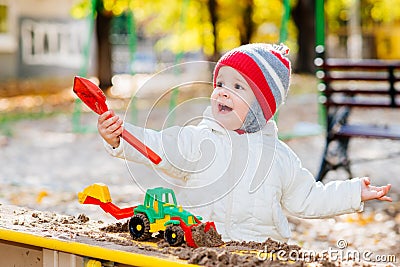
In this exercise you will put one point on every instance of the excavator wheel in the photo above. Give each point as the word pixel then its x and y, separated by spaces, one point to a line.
pixel 139 227
pixel 174 235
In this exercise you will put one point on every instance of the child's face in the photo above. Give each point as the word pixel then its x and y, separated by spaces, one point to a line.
pixel 231 98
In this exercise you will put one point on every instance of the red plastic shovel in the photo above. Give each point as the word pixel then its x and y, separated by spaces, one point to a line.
pixel 95 99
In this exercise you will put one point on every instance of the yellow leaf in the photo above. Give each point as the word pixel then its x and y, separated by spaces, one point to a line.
pixel 41 195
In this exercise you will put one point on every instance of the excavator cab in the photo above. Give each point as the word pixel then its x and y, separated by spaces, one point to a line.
pixel 156 200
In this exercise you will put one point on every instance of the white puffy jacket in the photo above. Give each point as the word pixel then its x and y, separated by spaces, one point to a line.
pixel 243 183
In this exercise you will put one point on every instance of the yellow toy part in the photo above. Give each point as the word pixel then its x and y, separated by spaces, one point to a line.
pixel 98 191
pixel 159 224
pixel 92 263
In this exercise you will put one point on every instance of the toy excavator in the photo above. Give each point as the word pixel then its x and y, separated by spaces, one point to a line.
pixel 159 213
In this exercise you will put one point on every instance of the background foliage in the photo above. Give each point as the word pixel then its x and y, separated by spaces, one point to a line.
pixel 184 25
pixel 215 26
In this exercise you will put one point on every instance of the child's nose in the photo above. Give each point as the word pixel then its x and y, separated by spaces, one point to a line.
pixel 223 92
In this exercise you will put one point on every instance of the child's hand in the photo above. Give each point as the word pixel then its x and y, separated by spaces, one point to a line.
pixel 110 128
pixel 369 192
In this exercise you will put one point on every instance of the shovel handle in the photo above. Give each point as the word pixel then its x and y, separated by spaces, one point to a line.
pixel 142 148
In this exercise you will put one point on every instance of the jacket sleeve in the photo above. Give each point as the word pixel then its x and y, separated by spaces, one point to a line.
pixel 176 146
pixel 306 198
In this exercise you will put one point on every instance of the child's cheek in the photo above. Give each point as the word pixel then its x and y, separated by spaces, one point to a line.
pixel 214 94
pixel 242 110
pixel 213 98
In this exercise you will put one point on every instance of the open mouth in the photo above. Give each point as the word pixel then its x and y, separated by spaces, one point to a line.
pixel 224 108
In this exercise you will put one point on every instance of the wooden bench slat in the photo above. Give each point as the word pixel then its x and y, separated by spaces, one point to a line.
pixel 370 78
pixel 360 64
pixel 361 104
pixel 369 131
pixel 361 91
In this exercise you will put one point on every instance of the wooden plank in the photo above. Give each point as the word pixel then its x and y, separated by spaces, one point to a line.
pixel 368 77
pixel 362 103
pixel 345 91
pixel 370 131
pixel 360 64
pixel 19 255
pixel 96 250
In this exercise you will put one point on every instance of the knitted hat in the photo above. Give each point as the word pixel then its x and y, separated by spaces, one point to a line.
pixel 266 69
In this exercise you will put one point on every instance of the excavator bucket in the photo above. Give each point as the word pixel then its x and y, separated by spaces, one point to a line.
pixel 97 191
pixel 204 235
pixel 98 194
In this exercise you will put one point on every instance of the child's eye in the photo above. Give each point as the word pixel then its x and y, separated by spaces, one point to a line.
pixel 238 86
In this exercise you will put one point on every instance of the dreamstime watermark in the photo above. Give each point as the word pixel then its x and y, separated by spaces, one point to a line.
pixel 340 253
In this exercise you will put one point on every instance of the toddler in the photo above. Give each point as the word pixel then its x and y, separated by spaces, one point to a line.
pixel 232 167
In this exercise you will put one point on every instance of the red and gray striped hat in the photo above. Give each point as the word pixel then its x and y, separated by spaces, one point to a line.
pixel 267 70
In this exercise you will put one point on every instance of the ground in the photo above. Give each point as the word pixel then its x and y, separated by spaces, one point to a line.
pixel 47 157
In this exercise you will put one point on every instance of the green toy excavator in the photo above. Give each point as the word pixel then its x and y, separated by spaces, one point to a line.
pixel 158 213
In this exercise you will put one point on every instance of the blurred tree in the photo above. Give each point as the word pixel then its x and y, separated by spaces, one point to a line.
pixel 210 26
pixel 103 25
pixel 104 11
pixel 373 13
pixel 304 17
pixel 375 16
pixel 215 26
pixel 212 10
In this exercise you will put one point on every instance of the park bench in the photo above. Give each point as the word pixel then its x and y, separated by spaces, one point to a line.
pixel 349 86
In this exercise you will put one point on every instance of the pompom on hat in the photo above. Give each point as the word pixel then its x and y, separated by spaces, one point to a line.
pixel 266 69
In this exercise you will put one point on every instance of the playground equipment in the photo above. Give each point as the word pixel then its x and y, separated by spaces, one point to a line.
pixel 158 213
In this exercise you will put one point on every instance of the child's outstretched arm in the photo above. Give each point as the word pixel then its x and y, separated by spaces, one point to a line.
pixel 110 128
pixel 369 192
pixel 306 198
